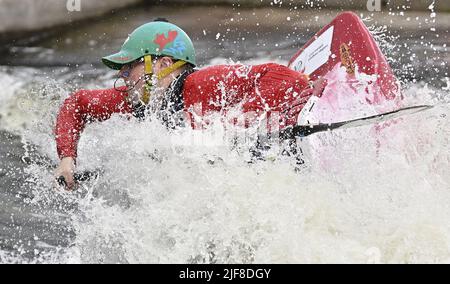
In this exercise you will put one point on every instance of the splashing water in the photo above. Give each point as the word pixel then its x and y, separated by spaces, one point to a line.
pixel 376 193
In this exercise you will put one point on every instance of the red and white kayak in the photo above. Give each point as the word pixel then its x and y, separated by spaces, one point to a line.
pixel 361 90
pixel 359 81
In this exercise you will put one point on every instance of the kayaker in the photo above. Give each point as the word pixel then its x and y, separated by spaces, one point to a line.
pixel 158 64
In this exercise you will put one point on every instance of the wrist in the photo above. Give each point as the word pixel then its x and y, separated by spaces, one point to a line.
pixel 68 160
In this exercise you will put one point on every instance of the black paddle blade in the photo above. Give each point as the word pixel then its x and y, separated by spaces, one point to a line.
pixel 305 130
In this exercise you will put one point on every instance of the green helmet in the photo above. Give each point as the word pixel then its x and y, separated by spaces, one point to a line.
pixel 154 38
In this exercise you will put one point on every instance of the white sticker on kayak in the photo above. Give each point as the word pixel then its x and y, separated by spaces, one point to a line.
pixel 316 54
pixel 306 114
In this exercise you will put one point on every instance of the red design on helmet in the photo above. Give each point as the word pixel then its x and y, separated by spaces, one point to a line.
pixel 162 41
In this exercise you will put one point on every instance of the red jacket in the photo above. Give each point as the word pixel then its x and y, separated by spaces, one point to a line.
pixel 258 89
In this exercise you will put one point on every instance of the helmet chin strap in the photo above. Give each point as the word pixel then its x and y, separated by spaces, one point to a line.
pixel 148 70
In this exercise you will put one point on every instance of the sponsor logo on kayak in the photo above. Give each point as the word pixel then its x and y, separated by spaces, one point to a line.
pixel 346 58
pixel 316 54
pixel 73 5
pixel 374 5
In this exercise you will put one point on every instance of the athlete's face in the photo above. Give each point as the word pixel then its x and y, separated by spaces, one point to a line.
pixel 133 74
pixel 134 77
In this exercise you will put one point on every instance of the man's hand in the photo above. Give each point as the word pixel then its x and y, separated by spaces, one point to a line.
pixel 66 169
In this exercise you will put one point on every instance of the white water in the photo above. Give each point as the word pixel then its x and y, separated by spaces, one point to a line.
pixel 376 193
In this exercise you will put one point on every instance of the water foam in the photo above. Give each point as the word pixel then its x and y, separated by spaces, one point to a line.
pixel 375 193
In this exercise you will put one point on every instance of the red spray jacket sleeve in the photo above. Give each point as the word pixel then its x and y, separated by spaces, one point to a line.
pixel 82 107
